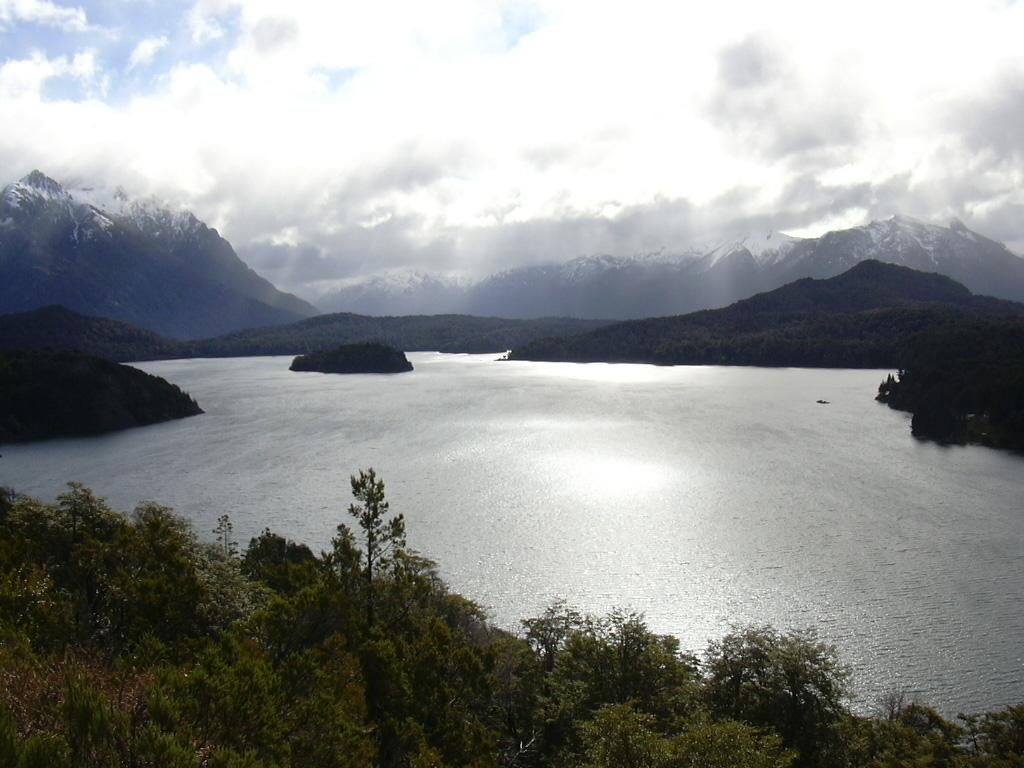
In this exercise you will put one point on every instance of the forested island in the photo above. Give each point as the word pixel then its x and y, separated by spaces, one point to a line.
pixel 57 394
pixel 126 640
pixel 354 358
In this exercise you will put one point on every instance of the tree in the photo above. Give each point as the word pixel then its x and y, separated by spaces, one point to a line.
pixel 791 682
pixel 382 537
pixel 621 737
pixel 727 744
pixel 224 530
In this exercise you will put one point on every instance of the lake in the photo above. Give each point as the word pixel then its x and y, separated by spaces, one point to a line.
pixel 699 496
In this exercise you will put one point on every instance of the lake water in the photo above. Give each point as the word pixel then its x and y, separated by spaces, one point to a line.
pixel 699 496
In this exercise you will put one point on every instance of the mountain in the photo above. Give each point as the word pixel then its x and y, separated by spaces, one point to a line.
pixel 397 293
pixel 982 265
pixel 872 315
pixel 699 278
pixel 132 261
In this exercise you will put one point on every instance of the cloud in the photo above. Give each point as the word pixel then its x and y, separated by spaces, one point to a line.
pixel 43 12
pixel 331 140
pixel 26 77
pixel 146 50
pixel 202 21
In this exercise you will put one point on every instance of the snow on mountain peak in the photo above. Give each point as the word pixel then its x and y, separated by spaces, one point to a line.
pixel 762 246
pixel 768 247
pixel 43 185
pixel 36 186
pixel 149 213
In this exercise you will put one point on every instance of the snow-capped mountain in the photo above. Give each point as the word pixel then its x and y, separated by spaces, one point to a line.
pixel 706 277
pixel 397 292
pixel 985 266
pixel 136 261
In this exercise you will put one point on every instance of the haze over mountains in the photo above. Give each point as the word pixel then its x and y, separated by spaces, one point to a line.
pixel 168 272
pixel 134 261
pixel 699 278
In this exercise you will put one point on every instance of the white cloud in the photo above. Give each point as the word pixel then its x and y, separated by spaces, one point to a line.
pixel 475 134
pixel 146 50
pixel 43 12
pixel 25 78
pixel 202 20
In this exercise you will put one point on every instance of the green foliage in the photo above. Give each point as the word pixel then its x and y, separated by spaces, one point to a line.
pixel 620 737
pixel 728 744
pixel 282 565
pixel 124 640
pixel 383 538
pixel 790 682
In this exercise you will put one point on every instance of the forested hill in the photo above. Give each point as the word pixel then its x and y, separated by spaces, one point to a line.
pixel 869 316
pixel 414 333
pixel 57 393
pixel 56 327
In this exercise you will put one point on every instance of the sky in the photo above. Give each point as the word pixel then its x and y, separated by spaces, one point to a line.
pixel 333 140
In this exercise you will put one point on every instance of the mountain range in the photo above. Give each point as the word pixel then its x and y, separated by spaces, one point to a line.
pixel 166 271
pixel 698 278
pixel 874 315
pixel 135 261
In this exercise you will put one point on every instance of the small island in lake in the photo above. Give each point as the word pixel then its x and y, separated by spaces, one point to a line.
pixel 59 394
pixel 368 357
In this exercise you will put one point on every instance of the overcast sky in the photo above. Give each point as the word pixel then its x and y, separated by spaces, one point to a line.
pixel 328 140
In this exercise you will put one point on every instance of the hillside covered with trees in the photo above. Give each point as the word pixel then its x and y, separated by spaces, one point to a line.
pixel 56 327
pixel 125 640
pixel 965 385
pixel 412 333
pixel 872 316
pixel 58 394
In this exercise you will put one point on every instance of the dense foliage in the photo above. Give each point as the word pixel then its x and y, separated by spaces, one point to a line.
pixel 354 358
pixel 964 385
pixel 54 394
pixel 126 641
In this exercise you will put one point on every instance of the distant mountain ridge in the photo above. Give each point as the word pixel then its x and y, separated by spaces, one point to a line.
pixel 59 328
pixel 872 315
pixel 698 278
pixel 133 261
